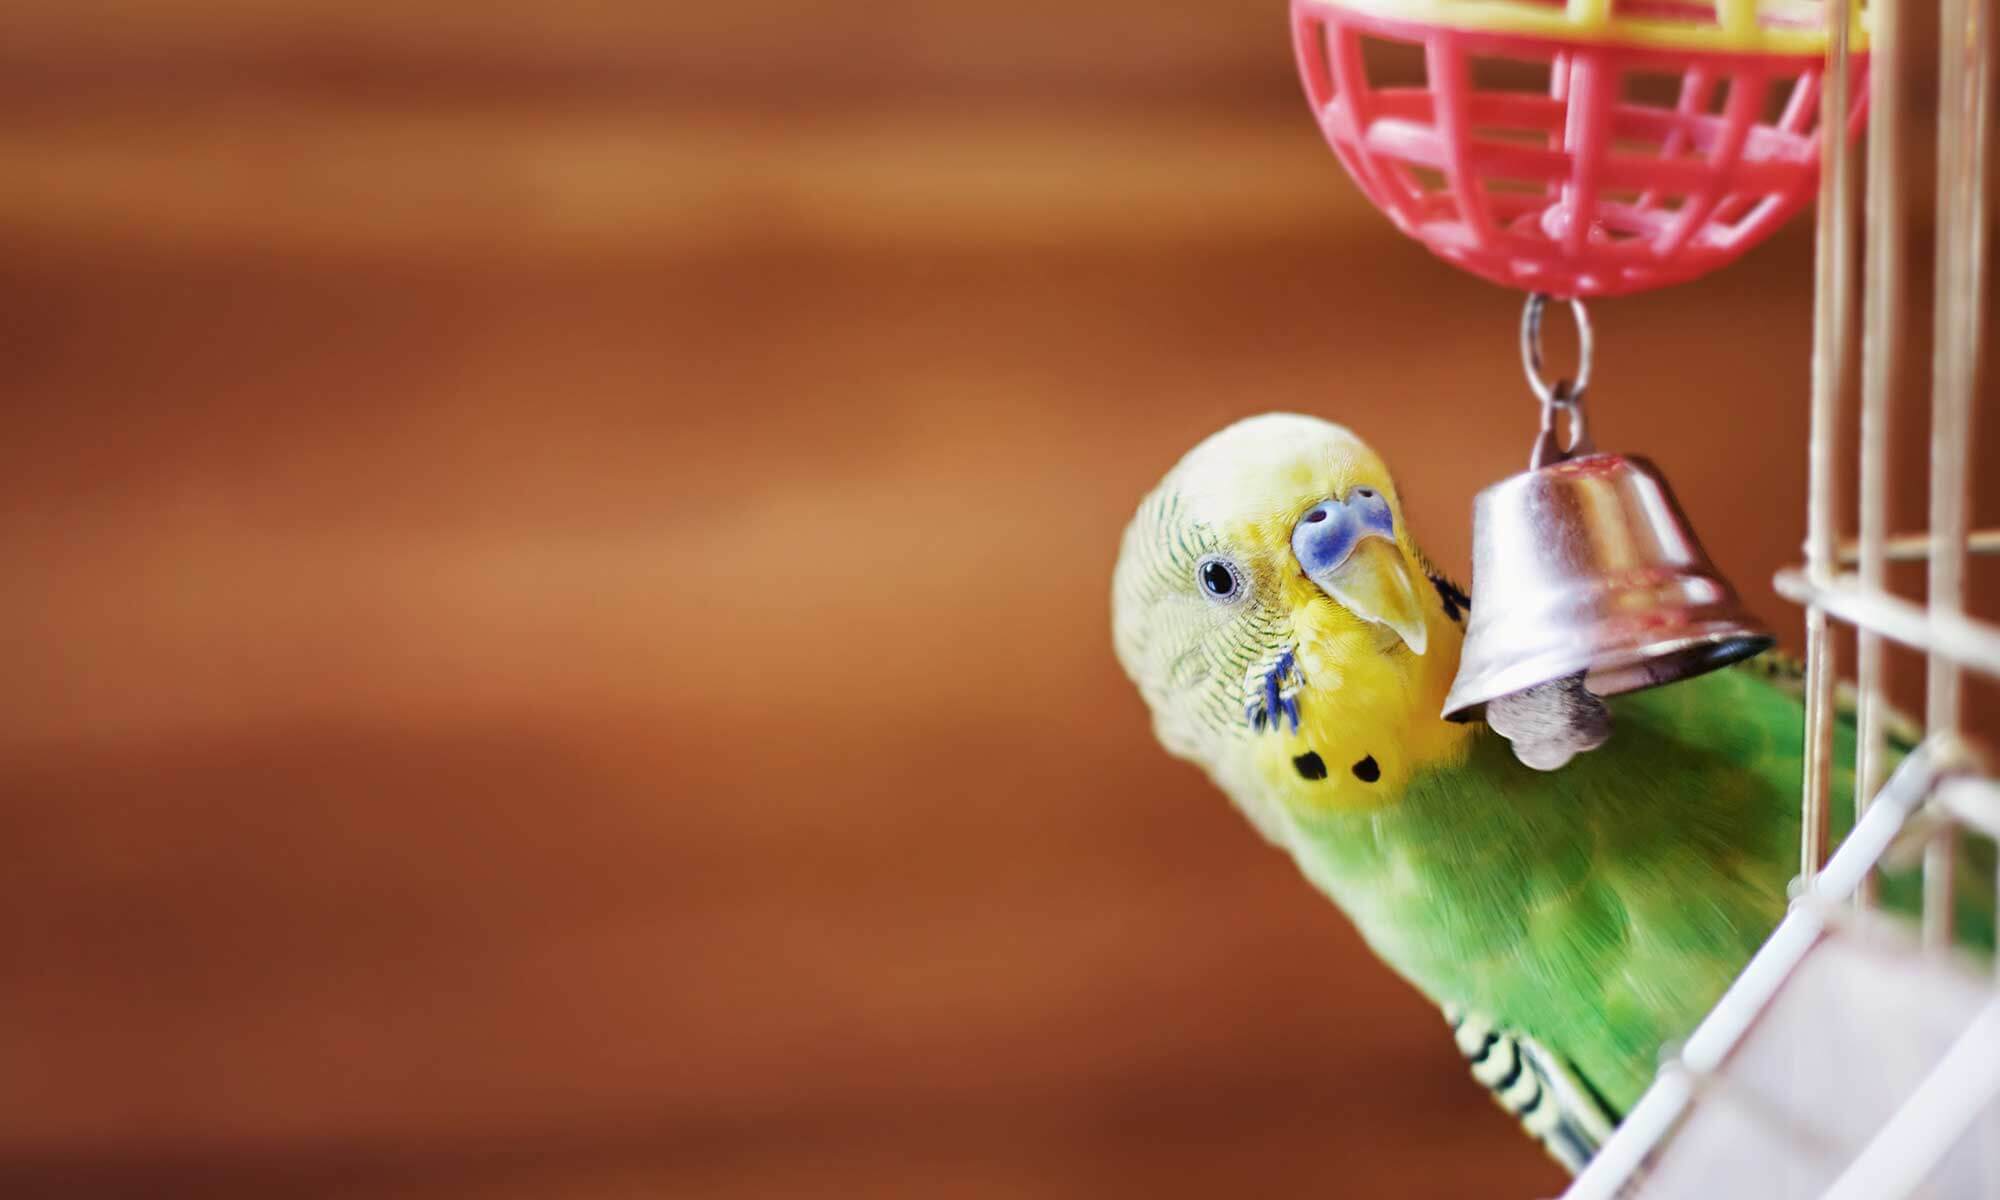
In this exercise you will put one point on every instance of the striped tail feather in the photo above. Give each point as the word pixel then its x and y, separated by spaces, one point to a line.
pixel 1536 1088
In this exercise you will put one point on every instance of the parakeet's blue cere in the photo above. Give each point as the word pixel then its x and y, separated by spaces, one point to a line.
pixel 1329 530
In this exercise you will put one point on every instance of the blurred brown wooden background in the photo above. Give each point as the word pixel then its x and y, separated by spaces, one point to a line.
pixel 555 629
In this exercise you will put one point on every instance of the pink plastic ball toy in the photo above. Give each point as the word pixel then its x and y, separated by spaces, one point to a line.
pixel 1603 180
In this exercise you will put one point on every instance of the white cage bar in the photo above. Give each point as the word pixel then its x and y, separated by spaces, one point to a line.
pixel 1954 1099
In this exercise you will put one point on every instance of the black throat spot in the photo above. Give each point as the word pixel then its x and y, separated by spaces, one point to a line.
pixel 1310 766
pixel 1367 770
pixel 1456 602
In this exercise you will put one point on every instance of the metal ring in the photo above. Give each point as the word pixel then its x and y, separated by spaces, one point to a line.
pixel 1531 350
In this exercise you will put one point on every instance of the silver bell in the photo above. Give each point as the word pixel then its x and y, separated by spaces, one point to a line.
pixel 1586 566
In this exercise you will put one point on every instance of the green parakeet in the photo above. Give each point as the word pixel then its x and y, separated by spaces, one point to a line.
pixel 1291 639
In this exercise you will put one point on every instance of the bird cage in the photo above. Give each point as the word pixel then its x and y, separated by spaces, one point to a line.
pixel 1855 1057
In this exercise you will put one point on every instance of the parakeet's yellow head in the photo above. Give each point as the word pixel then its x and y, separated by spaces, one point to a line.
pixel 1282 625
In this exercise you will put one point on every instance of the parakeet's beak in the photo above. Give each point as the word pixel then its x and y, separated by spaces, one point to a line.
pixel 1348 547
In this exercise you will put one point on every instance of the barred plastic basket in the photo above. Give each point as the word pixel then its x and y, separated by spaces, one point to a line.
pixel 1666 140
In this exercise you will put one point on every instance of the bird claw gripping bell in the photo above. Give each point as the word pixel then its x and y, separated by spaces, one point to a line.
pixel 1587 581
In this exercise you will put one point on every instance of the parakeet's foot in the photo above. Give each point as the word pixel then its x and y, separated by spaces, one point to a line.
pixel 1272 692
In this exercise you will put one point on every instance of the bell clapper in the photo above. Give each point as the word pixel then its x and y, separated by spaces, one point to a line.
pixel 1551 723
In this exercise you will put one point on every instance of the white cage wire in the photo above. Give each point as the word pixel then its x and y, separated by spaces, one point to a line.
pixel 1851 1060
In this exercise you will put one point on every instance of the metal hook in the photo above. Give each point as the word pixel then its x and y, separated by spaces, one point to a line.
pixel 1531 349
pixel 1548 447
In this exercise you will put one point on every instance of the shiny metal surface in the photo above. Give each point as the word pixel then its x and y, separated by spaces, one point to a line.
pixel 1531 350
pixel 1590 565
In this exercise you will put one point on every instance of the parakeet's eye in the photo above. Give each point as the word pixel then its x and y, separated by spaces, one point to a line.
pixel 1219 579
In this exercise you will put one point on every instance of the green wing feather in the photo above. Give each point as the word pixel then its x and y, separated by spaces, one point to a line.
pixel 1599 911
